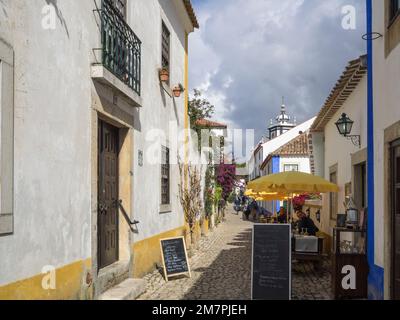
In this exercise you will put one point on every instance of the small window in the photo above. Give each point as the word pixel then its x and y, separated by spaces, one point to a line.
pixel 333 197
pixel 6 139
pixel 291 167
pixel 165 177
pixel 394 9
pixel 165 47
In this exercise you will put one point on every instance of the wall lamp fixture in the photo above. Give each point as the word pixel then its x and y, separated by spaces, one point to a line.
pixel 344 126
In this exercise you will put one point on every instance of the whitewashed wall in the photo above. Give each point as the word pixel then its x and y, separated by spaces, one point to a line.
pixel 159 112
pixel 302 162
pixel 52 136
pixel 338 150
pixel 53 97
pixel 386 112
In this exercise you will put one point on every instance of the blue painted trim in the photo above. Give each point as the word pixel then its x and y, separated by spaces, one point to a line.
pixel 276 168
pixel 376 274
pixel 376 283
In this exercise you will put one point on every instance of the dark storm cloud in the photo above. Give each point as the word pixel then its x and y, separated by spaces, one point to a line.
pixel 250 53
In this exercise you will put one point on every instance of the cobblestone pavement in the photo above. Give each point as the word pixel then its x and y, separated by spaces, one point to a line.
pixel 221 267
pixel 309 283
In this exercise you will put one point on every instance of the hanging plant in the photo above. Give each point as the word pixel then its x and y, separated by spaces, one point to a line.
pixel 164 75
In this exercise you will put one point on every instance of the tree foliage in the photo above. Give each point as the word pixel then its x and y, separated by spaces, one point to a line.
pixel 199 108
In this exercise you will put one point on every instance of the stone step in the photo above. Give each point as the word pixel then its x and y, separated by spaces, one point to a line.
pixel 130 289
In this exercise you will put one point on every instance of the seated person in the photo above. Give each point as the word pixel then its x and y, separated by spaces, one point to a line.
pixel 306 224
pixel 254 209
pixel 262 212
pixel 282 216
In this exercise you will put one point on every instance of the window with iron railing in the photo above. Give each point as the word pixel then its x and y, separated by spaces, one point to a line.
pixel 165 177
pixel 120 5
pixel 121 48
pixel 165 47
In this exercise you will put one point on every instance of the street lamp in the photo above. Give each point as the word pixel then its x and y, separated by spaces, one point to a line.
pixel 344 126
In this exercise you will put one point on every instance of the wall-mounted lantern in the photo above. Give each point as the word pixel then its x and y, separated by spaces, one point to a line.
pixel 344 126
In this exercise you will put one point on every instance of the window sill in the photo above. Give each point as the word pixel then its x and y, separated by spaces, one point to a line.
pixel 392 36
pixel 105 77
pixel 6 224
pixel 165 208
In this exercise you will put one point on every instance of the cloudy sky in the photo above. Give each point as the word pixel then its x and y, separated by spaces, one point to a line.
pixel 249 53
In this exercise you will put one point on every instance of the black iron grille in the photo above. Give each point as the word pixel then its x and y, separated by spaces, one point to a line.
pixel 121 47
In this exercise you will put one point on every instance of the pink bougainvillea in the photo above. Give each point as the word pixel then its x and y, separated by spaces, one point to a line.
pixel 226 174
pixel 299 201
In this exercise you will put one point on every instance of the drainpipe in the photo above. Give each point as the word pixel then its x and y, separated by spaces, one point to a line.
pixel 375 277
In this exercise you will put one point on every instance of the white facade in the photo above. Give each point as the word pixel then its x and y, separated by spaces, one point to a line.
pixel 386 79
pixel 278 142
pixel 57 105
pixel 258 160
pixel 340 154
pixel 302 163
pixel 260 154
pixel 52 98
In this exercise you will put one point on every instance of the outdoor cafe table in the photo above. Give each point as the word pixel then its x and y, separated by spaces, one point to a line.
pixel 307 248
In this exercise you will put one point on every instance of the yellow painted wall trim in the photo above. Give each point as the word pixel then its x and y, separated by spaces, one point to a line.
pixel 70 285
pixel 147 252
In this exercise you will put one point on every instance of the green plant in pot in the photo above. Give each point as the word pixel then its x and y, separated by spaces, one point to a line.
pixel 164 75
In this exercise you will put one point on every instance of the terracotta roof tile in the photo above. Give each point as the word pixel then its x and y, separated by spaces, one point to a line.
pixel 344 87
pixel 210 124
pixel 296 147
pixel 191 13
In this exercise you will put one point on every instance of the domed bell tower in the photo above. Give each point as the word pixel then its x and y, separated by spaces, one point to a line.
pixel 283 123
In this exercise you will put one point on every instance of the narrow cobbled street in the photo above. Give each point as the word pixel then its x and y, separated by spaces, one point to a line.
pixel 221 269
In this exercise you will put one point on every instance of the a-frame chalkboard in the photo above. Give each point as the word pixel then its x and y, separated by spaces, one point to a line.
pixel 174 257
pixel 271 262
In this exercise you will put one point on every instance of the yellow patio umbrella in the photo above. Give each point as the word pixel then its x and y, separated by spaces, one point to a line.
pixel 265 196
pixel 271 197
pixel 292 182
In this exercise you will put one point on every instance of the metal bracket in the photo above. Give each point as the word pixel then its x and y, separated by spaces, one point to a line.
pixel 372 36
pixel 355 139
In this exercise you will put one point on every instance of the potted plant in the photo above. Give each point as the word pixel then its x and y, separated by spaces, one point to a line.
pixel 164 75
pixel 178 90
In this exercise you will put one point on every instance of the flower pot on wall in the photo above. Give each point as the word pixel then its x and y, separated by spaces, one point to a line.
pixel 164 75
pixel 177 91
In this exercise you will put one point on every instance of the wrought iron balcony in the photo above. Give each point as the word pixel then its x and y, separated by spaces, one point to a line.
pixel 121 48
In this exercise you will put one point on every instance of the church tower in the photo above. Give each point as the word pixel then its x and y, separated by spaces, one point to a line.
pixel 282 124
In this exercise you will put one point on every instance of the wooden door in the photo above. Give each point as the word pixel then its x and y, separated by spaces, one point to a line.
pixel 108 195
pixel 395 165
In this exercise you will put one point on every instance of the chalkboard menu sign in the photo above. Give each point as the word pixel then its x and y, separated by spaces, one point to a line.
pixel 271 262
pixel 174 257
